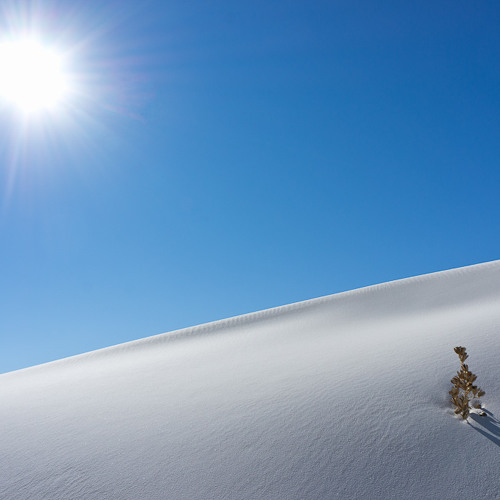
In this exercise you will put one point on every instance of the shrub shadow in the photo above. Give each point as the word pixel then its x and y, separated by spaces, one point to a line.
pixel 488 426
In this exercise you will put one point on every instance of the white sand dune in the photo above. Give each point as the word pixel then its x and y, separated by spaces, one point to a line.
pixel 344 396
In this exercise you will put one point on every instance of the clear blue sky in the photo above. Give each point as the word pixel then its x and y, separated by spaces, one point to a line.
pixel 227 157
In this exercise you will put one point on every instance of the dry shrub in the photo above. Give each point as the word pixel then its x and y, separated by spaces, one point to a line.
pixel 464 390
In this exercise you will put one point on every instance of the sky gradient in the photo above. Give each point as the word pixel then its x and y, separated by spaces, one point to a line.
pixel 226 157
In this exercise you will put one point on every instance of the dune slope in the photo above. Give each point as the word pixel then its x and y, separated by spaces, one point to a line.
pixel 345 396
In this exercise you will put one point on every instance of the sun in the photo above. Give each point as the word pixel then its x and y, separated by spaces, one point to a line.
pixel 32 76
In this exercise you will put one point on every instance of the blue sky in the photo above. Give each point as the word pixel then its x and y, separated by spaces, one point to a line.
pixel 226 157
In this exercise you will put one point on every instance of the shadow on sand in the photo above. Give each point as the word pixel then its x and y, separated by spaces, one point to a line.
pixel 488 426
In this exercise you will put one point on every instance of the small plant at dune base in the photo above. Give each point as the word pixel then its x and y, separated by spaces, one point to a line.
pixel 464 391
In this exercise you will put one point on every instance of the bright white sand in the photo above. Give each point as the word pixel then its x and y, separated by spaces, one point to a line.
pixel 344 397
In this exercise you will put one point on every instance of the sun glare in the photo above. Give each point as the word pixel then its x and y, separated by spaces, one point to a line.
pixel 31 76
